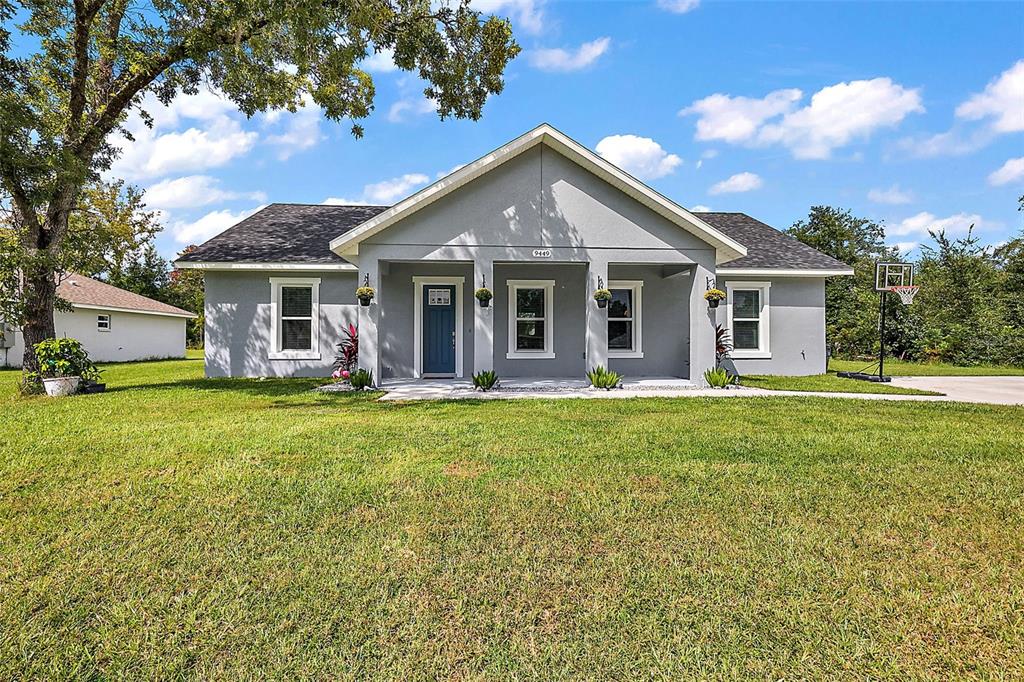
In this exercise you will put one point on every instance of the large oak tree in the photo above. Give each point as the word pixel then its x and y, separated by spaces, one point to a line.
pixel 79 68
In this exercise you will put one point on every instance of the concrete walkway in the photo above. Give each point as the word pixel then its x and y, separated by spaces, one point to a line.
pixel 994 390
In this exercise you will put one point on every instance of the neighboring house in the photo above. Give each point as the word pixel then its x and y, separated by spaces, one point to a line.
pixel 114 325
pixel 543 222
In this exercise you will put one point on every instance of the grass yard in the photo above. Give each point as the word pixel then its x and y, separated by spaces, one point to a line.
pixel 827 382
pixel 898 368
pixel 250 529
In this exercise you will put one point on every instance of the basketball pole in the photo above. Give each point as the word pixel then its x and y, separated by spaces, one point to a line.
pixel 881 338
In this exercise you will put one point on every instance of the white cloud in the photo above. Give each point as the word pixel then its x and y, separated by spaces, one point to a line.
pixel 191 191
pixel 737 119
pixel 1002 101
pixel 380 62
pixel 159 151
pixel 918 225
pixel 741 182
pixel 210 225
pixel 892 195
pixel 1011 171
pixel 700 208
pixel 385 191
pixel 442 174
pixel 836 115
pixel 906 247
pixel 678 6
pixel 301 129
pixel 527 15
pixel 562 60
pixel 950 143
pixel 640 156
pixel 415 106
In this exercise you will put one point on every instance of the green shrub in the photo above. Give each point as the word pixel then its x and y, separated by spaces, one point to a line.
pixel 361 379
pixel 603 378
pixel 485 380
pixel 718 378
pixel 65 358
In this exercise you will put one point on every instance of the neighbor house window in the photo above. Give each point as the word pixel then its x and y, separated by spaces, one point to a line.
pixel 295 314
pixel 748 319
pixel 103 323
pixel 624 330
pixel 530 318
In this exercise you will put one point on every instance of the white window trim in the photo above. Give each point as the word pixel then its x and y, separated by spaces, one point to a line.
pixel 417 289
pixel 276 283
pixel 103 329
pixel 637 287
pixel 548 353
pixel 763 350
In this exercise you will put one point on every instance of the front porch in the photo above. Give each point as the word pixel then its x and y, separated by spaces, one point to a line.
pixel 556 387
pixel 542 323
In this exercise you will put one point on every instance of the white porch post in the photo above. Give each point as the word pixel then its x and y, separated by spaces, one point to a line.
pixel 597 318
pixel 483 318
pixel 702 325
pixel 369 319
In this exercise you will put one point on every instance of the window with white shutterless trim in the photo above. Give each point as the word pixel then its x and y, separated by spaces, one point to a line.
pixel 103 323
pixel 748 309
pixel 625 338
pixel 294 318
pixel 531 319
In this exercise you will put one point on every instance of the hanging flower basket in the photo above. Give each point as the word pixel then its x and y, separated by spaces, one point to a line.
pixel 484 295
pixel 602 296
pixel 714 297
pixel 365 295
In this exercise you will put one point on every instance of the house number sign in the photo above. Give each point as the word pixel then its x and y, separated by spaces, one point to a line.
pixel 542 253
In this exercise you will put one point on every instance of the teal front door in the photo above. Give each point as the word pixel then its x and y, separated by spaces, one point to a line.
pixel 439 329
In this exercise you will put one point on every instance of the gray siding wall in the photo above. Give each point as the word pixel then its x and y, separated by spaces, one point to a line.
pixel 665 319
pixel 238 323
pixel 797 326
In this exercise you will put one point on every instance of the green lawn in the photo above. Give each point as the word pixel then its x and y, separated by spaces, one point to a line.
pixel 827 382
pixel 919 369
pixel 235 529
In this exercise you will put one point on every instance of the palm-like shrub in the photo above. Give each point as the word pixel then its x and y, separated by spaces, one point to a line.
pixel 485 380
pixel 602 378
pixel 718 378
pixel 361 379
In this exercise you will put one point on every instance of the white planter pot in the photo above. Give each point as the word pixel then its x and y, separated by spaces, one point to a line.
pixel 61 386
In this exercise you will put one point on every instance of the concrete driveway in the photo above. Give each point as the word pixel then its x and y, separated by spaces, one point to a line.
pixel 994 390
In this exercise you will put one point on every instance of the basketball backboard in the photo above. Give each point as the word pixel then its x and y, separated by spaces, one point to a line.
pixel 889 275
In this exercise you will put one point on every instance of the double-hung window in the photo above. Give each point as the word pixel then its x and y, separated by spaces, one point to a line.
pixel 748 313
pixel 624 327
pixel 295 318
pixel 530 319
pixel 103 323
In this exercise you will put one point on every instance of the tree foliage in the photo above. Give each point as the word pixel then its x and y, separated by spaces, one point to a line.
pixel 93 61
pixel 969 310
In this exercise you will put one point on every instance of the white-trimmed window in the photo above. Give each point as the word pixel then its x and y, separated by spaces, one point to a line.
pixel 747 311
pixel 624 326
pixel 103 323
pixel 531 318
pixel 294 318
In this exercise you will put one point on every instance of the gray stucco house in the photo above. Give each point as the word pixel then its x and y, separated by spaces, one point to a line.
pixel 543 222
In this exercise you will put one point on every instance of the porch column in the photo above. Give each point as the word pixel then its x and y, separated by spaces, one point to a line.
pixel 702 325
pixel 483 318
pixel 597 319
pixel 369 318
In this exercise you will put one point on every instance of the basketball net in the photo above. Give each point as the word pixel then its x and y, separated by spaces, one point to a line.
pixel 906 293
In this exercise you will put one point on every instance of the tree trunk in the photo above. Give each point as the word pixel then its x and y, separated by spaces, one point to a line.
pixel 40 294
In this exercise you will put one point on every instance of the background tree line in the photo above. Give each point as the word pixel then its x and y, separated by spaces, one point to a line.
pixel 970 309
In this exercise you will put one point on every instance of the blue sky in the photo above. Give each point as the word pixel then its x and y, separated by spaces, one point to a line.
pixel 911 113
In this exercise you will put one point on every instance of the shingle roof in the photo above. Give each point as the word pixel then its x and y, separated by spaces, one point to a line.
pixel 84 291
pixel 301 233
pixel 284 233
pixel 768 247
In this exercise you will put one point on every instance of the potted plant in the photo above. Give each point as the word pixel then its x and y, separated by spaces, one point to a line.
pixel 64 365
pixel 714 297
pixel 484 295
pixel 365 295
pixel 602 296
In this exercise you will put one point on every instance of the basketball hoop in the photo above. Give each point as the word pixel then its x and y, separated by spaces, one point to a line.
pixel 906 293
